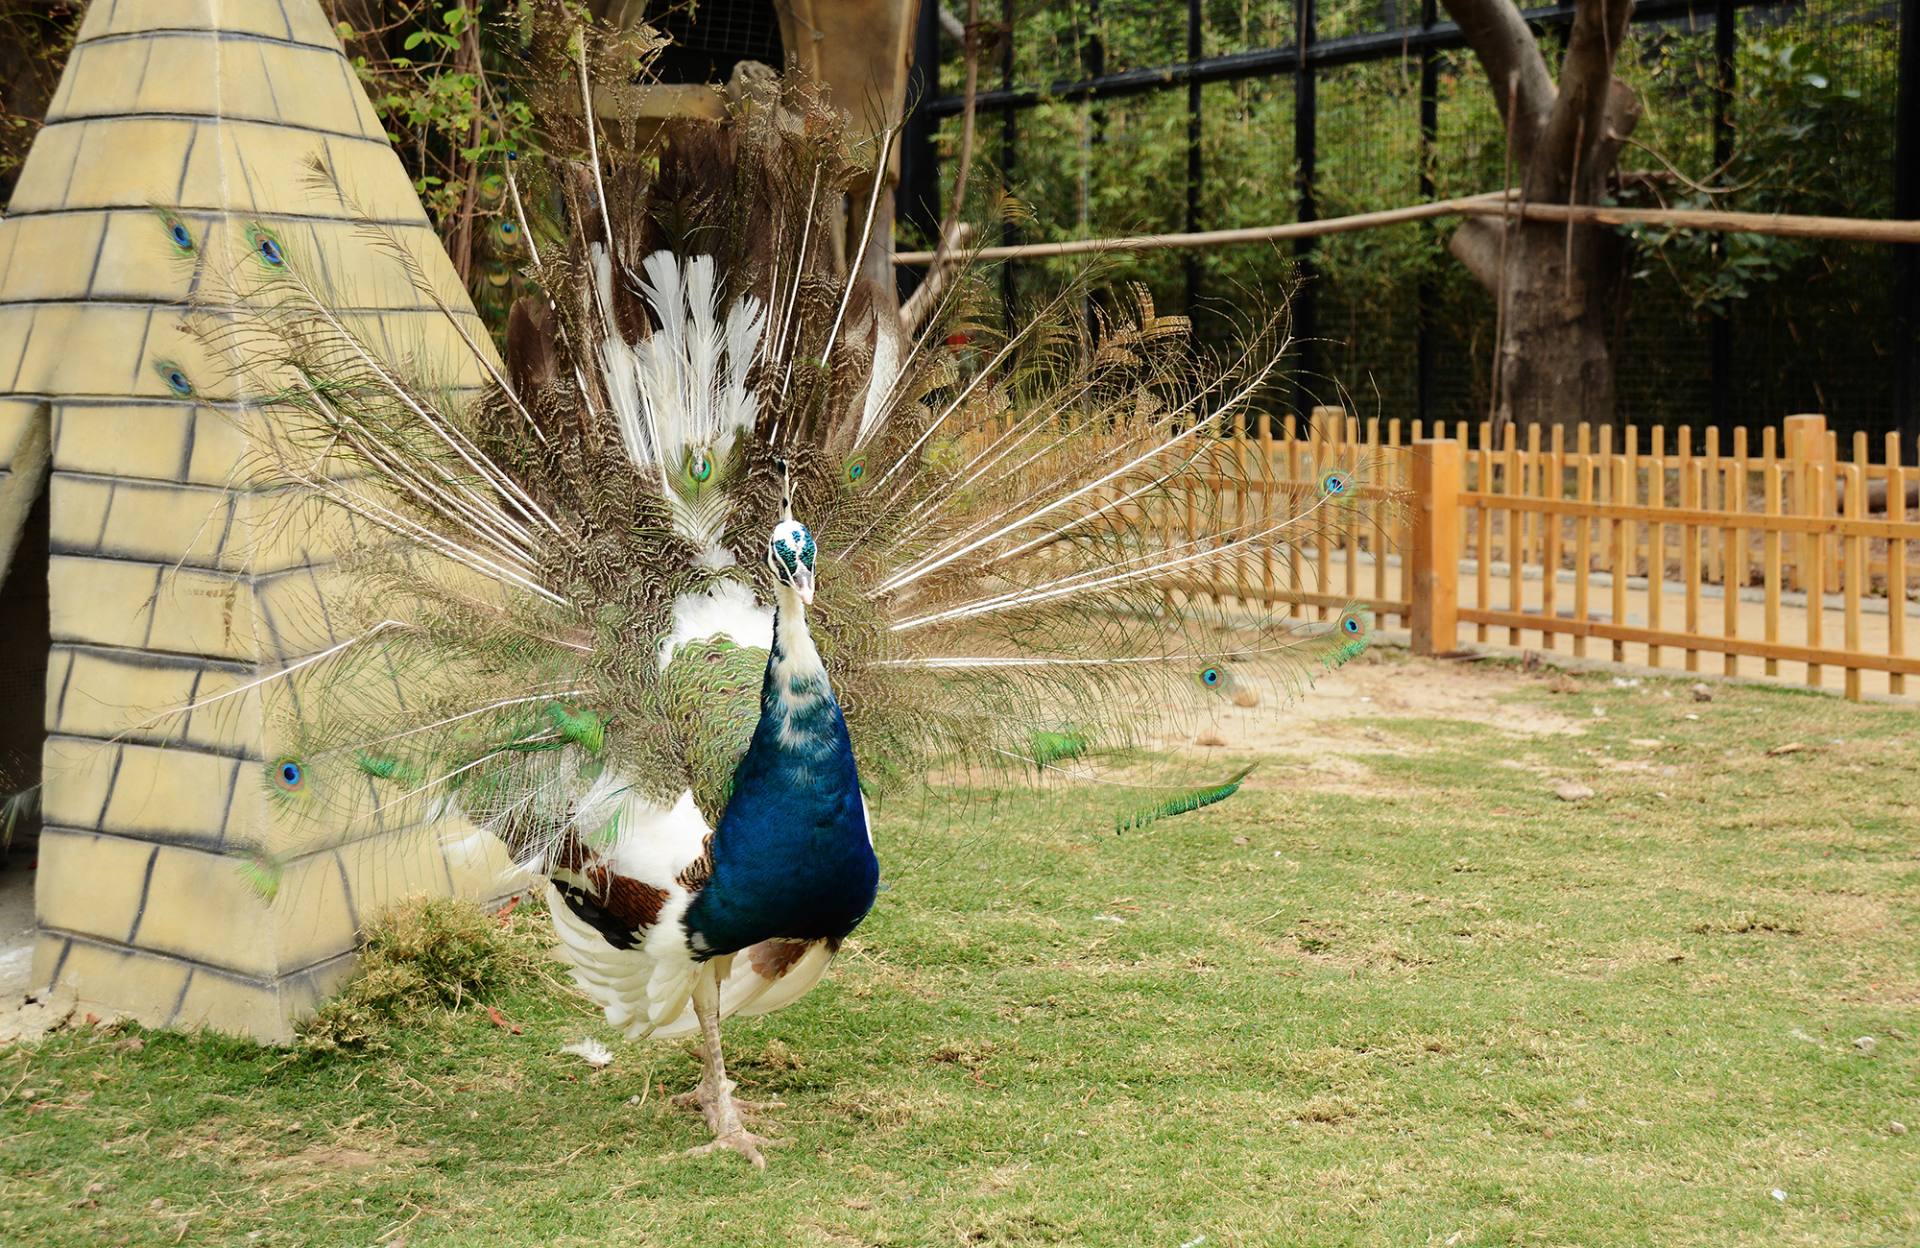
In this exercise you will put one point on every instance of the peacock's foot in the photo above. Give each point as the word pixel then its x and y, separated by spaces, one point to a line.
pixel 711 1105
pixel 739 1140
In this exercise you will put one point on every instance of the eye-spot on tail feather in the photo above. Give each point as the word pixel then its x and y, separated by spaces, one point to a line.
pixel 1183 803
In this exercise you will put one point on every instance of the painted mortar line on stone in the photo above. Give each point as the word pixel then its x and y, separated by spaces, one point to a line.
pixel 93 271
pixel 320 598
pixel 6 268
pixel 167 485
pixel 146 889
pixel 186 164
pixel 154 400
pixel 106 516
pixel 146 64
pixel 346 889
pixel 263 607
pixel 66 682
pixel 73 163
pixel 234 311
pixel 214 215
pixel 192 437
pixel 204 33
pixel 273 97
pixel 226 530
pixel 153 602
pixel 346 78
pixel 158 660
pixel 254 580
pixel 60 959
pixel 205 751
pixel 195 842
pixel 186 982
pixel 26 344
pixel 268 983
pixel 199 119
pixel 113 776
pixel 240 163
pixel 140 352
pixel 186 720
pixel 233 797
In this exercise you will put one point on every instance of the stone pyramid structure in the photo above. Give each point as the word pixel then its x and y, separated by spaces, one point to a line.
pixel 178 152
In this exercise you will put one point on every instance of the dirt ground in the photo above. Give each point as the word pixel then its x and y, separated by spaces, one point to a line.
pixel 1323 736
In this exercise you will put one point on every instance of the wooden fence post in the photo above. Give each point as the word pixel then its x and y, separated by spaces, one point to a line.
pixel 1436 545
pixel 1804 442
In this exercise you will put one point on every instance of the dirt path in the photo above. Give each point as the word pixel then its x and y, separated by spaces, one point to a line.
pixel 1324 736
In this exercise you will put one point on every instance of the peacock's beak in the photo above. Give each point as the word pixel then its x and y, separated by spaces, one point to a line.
pixel 803 585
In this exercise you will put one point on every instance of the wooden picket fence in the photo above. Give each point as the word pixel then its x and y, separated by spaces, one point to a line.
pixel 1656 547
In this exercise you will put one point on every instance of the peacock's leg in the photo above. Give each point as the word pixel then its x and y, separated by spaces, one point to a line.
pixel 714 1095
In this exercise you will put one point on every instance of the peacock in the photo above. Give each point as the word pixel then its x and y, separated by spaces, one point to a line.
pixel 726 554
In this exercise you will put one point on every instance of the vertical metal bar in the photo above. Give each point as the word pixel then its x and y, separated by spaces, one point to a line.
pixel 1906 204
pixel 1720 332
pixel 919 154
pixel 1429 134
pixel 1008 134
pixel 1093 60
pixel 1192 257
pixel 1305 117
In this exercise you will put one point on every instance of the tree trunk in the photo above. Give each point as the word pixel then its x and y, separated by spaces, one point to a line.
pixel 1556 364
pixel 1556 287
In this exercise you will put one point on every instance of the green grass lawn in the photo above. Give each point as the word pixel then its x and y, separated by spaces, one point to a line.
pixel 1432 1004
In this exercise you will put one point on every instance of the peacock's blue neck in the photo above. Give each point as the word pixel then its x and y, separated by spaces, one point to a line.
pixel 791 855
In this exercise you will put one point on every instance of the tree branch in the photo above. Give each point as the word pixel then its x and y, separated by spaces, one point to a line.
pixel 1476 244
pixel 1581 114
pixel 1508 52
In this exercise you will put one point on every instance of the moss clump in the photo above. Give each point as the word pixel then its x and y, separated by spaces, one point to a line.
pixel 420 953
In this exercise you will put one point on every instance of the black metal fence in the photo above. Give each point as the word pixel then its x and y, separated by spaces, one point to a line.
pixel 1123 116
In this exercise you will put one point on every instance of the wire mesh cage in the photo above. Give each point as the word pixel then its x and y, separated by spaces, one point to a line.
pixel 1299 109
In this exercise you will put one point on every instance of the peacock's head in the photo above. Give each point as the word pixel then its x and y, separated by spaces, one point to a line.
pixel 790 554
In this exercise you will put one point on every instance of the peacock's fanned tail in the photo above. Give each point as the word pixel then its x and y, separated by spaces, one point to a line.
pixel 550 582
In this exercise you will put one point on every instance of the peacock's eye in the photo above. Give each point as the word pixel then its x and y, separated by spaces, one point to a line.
pixel 1211 676
pixel 175 377
pixel 289 775
pixel 1335 482
pixel 181 236
pixel 266 246
pixel 1352 624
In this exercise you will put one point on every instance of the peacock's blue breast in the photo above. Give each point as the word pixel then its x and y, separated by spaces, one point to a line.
pixel 791 855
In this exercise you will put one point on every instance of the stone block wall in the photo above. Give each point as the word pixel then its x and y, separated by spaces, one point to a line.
pixel 183 133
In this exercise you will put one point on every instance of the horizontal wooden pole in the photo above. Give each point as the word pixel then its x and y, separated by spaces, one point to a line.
pixel 1218 238
pixel 1693 641
pixel 1491 204
pixel 1838 526
pixel 1776 224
